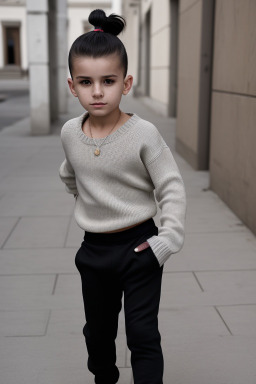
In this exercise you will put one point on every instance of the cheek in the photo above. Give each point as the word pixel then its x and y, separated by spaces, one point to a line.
pixel 117 92
pixel 82 97
pixel 83 92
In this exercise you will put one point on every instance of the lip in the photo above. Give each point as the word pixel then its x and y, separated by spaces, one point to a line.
pixel 98 105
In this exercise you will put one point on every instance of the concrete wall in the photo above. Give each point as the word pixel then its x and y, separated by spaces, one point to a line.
pixel 130 37
pixel 159 60
pixel 154 61
pixel 47 62
pixel 216 104
pixel 16 14
pixel 190 22
pixel 38 57
pixel 144 43
pixel 76 18
pixel 196 25
pixel 233 123
pixel 78 12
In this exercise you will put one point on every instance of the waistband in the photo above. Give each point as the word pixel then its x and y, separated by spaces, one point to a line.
pixel 116 237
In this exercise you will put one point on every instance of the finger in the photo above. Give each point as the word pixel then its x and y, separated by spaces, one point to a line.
pixel 142 246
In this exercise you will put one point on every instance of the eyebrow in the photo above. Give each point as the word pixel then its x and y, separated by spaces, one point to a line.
pixel 88 77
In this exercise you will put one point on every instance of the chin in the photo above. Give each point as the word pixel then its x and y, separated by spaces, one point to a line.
pixel 99 112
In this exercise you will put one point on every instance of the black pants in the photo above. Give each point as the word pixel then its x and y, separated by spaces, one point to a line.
pixel 109 267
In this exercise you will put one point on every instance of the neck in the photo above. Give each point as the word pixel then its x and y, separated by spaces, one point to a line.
pixel 102 122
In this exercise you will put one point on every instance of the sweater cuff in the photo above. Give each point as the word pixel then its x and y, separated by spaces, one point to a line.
pixel 160 249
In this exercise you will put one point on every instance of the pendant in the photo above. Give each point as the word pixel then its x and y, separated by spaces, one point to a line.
pixel 97 152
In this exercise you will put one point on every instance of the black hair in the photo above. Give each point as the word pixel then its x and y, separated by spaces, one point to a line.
pixel 96 43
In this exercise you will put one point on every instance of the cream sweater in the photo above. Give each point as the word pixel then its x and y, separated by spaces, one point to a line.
pixel 116 188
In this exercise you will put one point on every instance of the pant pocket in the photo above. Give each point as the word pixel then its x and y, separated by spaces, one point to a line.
pixel 152 256
pixel 147 260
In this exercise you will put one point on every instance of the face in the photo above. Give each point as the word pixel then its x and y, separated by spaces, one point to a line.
pixel 99 83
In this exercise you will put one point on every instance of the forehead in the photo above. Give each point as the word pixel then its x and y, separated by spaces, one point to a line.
pixel 97 66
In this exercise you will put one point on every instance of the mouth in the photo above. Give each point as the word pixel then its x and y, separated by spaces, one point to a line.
pixel 97 104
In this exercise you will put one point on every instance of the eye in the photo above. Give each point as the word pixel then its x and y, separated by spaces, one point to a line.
pixel 85 82
pixel 109 81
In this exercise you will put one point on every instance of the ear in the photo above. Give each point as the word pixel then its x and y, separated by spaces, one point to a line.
pixel 71 87
pixel 127 84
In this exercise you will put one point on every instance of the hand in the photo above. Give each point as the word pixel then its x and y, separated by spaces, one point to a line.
pixel 142 246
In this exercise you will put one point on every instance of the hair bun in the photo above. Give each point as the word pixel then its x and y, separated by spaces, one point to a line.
pixel 113 24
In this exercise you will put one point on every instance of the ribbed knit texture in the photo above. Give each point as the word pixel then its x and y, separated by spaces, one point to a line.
pixel 116 188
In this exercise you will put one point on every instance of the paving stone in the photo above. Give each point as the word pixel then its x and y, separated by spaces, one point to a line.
pixel 13 160
pixel 191 322
pixel 44 360
pixel 208 213
pixel 6 226
pixel 229 287
pixel 66 322
pixel 188 323
pixel 121 322
pixel 82 376
pixel 46 162
pixel 128 357
pixel 215 251
pixel 79 375
pixel 179 289
pixel 68 285
pixel 125 376
pixel 39 232
pixel 75 235
pixel 211 360
pixel 120 350
pixel 41 203
pixel 31 183
pixel 37 261
pixel 195 186
pixel 240 319
pixel 24 291
pixel 217 288
pixel 23 323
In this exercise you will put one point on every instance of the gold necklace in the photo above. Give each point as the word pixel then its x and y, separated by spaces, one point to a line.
pixel 97 150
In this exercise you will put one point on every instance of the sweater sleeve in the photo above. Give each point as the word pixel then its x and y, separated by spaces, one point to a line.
pixel 171 197
pixel 68 177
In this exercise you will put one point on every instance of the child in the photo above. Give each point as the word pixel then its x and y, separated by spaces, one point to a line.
pixel 114 161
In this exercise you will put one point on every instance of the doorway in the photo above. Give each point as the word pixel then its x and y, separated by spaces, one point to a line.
pixel 12 46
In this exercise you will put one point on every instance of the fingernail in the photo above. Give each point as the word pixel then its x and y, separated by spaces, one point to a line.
pixel 136 249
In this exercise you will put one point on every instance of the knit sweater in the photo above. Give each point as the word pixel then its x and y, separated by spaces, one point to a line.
pixel 116 189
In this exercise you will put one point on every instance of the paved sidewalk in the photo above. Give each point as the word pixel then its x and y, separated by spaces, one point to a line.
pixel 14 100
pixel 208 307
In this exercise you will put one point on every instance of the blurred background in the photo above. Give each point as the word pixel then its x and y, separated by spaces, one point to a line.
pixel 194 68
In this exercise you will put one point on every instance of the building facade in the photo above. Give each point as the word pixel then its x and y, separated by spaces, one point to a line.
pixel 35 37
pixel 13 29
pixel 197 62
pixel 13 38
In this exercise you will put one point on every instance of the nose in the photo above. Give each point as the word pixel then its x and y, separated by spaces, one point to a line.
pixel 97 90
